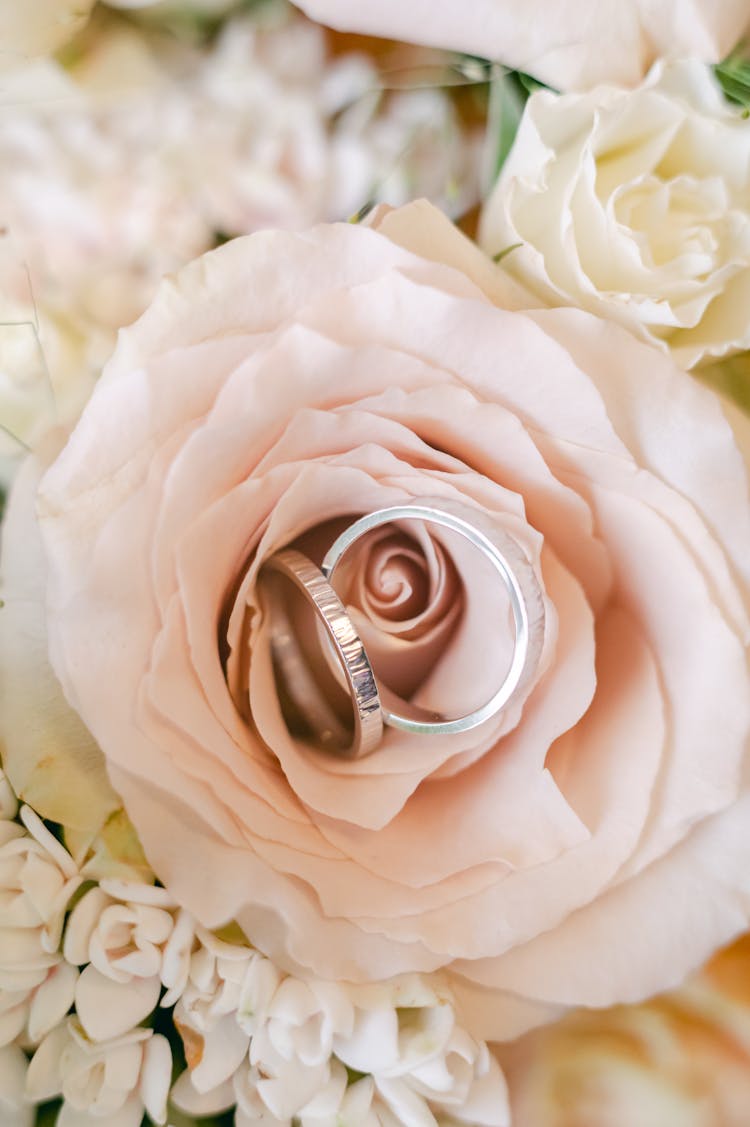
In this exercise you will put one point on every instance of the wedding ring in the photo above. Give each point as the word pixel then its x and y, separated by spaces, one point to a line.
pixel 513 569
pixel 298 680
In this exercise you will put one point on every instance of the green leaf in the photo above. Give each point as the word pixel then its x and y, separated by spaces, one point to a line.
pixel 734 77
pixel 530 85
pixel 504 111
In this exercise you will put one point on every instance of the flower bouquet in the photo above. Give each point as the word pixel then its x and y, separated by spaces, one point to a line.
pixel 374 686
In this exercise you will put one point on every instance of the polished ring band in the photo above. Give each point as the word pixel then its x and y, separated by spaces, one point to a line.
pixel 514 569
pixel 360 680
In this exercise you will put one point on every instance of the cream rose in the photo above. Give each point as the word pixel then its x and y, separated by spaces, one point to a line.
pixel 680 1060
pixel 635 206
pixel 589 844
pixel 569 46
pixel 38 27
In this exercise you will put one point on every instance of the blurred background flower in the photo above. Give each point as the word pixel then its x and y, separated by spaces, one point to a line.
pixel 151 140
pixel 572 46
pixel 31 29
pixel 680 1060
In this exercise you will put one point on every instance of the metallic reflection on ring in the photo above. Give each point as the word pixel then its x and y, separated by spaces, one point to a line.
pixel 299 681
pixel 514 570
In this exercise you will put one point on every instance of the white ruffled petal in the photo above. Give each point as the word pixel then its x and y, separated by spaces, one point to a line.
pixel 288 1090
pixel 487 1102
pixel 258 989
pixel 372 1045
pixel 263 1118
pixel 109 1009
pixel 51 1001
pixel 137 893
pixel 129 1115
pixel 81 924
pixel 175 966
pixel 43 1079
pixel 407 1105
pixel 13 1068
pixel 13 1017
pixel 122 1067
pixel 326 1102
pixel 186 1097
pixel 8 800
pixel 224 1049
pixel 156 1076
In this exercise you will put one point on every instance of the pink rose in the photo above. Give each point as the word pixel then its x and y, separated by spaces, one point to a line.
pixel 570 46
pixel 588 845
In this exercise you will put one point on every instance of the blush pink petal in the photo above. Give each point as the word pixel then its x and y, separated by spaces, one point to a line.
pixel 697 894
pixel 282 916
pixel 614 755
pixel 492 443
pixel 669 423
pixel 511 774
pixel 287 383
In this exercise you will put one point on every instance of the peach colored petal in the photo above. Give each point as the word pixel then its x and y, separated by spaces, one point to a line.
pixel 286 383
pixel 702 891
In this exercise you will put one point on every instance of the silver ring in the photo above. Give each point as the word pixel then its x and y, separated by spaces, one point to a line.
pixel 517 574
pixel 300 683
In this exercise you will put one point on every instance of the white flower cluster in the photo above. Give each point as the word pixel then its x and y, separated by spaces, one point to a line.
pixel 147 149
pixel 284 1049
pixel 83 974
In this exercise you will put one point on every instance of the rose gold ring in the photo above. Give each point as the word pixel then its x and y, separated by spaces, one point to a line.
pixel 307 702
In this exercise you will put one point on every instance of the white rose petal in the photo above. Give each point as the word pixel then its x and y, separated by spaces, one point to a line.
pixel 13 1013
pixel 406 1104
pixel 258 989
pixel 29 29
pixel 186 1097
pixel 137 893
pixel 156 1076
pixel 13 1068
pixel 43 1080
pixel 355 1109
pixel 129 1115
pixel 285 1087
pixel 51 1001
pixel 270 1042
pixel 486 1104
pixel 8 800
pixel 636 207
pixel 81 924
pixel 49 757
pixel 569 46
pixel 175 967
pixel 303 1019
pixel 109 1009
pixel 112 1081
pixel 326 1102
pixel 373 1044
pixel 224 1049
pixel 37 880
pixel 126 942
pixel 261 1118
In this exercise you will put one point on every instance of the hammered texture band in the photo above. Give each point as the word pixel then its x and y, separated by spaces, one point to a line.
pixel 350 651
